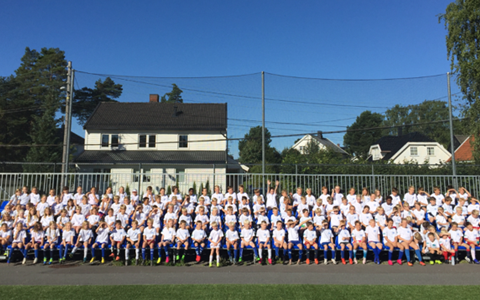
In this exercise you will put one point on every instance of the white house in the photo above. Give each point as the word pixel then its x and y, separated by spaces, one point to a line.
pixel 186 141
pixel 412 147
pixel 322 142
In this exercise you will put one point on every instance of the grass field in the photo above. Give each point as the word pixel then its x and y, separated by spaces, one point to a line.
pixel 239 292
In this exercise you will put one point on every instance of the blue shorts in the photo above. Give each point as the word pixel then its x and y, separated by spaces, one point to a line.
pixel 262 243
pixel 295 243
pixel 324 244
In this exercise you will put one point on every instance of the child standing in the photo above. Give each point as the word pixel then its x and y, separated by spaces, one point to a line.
pixel 215 239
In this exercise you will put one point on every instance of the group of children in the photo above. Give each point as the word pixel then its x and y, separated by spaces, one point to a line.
pixel 435 225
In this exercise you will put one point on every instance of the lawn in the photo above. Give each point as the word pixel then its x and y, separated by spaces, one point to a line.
pixel 256 292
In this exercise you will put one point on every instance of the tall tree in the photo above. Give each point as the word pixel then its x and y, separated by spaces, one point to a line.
pixel 422 114
pixel 250 148
pixel 462 21
pixel 358 141
pixel 175 96
pixel 86 99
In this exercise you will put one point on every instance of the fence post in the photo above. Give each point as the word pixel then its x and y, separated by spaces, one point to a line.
pixel 373 178
pixel 140 179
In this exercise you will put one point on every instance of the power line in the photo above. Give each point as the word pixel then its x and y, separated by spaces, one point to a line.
pixel 251 138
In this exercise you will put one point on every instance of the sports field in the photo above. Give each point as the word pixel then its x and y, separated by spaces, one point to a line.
pixel 237 291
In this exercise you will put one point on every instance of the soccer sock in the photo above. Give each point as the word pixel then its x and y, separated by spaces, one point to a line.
pixel 118 251
pixel 25 252
pixel 400 255
pixel 201 250
pixel 36 253
pixel 300 253
pixel 126 253
pixel 93 252
pixel 159 252
pixel 365 252
pixel 10 253
pixel 445 255
pixel 166 248
pixel 419 254
pixel 255 251
pixel 51 253
pixel 137 252
pixel 289 254
pixel 350 254
pixel 210 259
pixel 277 252
pixel 235 254
pixel 284 253
pixel 218 259
pixel 407 254
pixel 143 253
pixel 103 252
pixel 44 252
pixel 355 253
pixel 390 255
pixel 61 250
pixel 472 250
pixel 74 250
pixel 269 253
pixel 197 250
pixel 151 253
pixel 307 253
pixel 325 254
pixel 315 252
pixel 85 251
pixel 333 254
pixel 241 252
pixel 260 252
pixel 342 255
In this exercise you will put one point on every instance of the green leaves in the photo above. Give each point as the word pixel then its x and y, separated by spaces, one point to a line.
pixel 357 142
pixel 175 96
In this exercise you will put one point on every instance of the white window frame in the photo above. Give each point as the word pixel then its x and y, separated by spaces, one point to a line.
pixel 433 151
pixel 147 141
pixel 411 150
pixel 108 140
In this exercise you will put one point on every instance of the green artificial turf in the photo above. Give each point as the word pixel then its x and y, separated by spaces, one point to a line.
pixel 235 291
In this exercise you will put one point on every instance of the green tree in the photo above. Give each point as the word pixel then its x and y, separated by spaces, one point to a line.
pixel 358 141
pixel 250 148
pixel 175 96
pixel 86 99
pixel 423 113
pixel 462 21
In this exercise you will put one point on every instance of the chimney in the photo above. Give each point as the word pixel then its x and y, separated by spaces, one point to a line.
pixel 400 130
pixel 154 98
pixel 320 134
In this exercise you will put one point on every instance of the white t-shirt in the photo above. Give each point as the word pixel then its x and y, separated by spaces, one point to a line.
pixel 439 198
pixel 271 200
pixel 182 234
pixel 34 198
pixel 390 233
pixel 168 233
pixel 21 235
pixel 85 235
pixel 456 235
pixel 67 235
pixel 37 236
pixel 149 233
pixel 263 235
pixel 395 199
pixel 247 234
pixel 310 235
pixel 215 235
pixel 326 236
pixel 422 199
pixel 198 234
pixel 102 235
pixel 445 242
pixel 337 199
pixel 293 234
pixel 358 235
pixel 344 236
pixel 372 233
pixel 118 234
pixel 279 235
pixel 410 199
pixel 232 235
pixel 405 233
pixel 471 235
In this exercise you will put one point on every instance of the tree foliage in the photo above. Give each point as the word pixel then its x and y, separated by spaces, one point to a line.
pixel 422 114
pixel 250 149
pixel 175 96
pixel 357 142
pixel 86 99
pixel 462 21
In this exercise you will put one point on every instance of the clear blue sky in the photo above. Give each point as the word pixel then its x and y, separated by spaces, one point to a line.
pixel 319 39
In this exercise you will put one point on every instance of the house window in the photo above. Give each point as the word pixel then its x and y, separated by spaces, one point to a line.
pixel 151 141
pixel 143 138
pixel 115 140
pixel 142 142
pixel 183 141
pixel 302 148
pixel 105 140
pixel 430 151
pixel 413 151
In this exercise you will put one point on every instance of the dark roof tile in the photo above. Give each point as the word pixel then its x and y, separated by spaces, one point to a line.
pixel 198 157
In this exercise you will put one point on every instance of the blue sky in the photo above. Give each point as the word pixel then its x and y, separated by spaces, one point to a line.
pixel 317 39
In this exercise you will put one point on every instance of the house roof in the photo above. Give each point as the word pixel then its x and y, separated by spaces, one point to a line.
pixel 329 144
pixel 391 144
pixel 465 151
pixel 158 116
pixel 74 138
pixel 195 157
pixel 458 140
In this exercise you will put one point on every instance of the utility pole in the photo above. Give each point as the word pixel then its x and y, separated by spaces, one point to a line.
pixel 67 124
pixel 452 146
pixel 263 131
